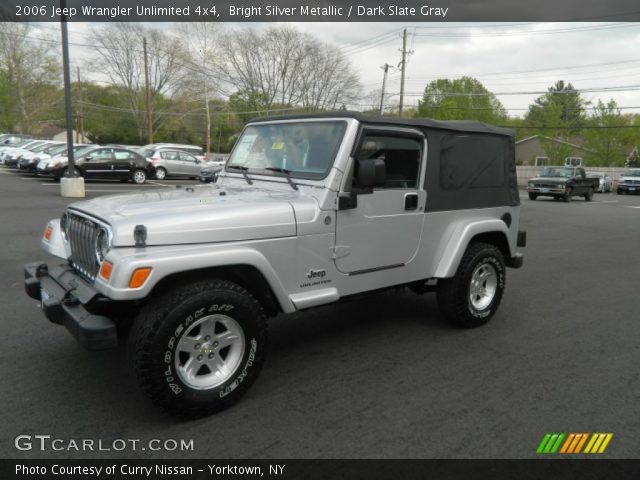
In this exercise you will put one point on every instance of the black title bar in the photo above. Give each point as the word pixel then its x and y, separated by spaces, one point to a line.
pixel 321 10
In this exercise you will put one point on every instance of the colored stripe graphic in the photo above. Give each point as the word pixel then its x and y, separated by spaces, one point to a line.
pixel 573 443
pixel 598 442
pixel 581 443
pixel 550 443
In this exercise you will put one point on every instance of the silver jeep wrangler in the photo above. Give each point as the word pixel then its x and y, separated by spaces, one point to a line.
pixel 309 210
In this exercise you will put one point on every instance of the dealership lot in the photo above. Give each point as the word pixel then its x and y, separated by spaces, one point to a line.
pixel 383 377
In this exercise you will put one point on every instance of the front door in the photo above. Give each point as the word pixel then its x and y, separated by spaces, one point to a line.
pixel 383 231
pixel 99 164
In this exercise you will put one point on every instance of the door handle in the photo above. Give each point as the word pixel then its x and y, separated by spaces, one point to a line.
pixel 411 201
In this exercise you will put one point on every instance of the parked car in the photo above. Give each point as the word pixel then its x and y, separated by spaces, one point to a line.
pixel 105 163
pixel 29 161
pixel 151 151
pixel 605 181
pixel 562 183
pixel 629 182
pixel 12 157
pixel 303 215
pixel 58 157
pixel 175 163
pixel 7 149
pixel 209 173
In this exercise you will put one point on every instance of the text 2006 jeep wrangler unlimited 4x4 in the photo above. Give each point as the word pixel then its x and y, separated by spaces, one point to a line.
pixel 308 210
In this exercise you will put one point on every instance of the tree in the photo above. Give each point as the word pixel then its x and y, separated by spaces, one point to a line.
pixel 559 112
pixel 285 67
pixel 607 139
pixel 29 75
pixel 460 99
pixel 201 39
pixel 120 57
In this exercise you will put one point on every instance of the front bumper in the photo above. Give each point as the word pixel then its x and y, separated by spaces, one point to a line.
pixel 65 298
pixel 559 190
pixel 625 187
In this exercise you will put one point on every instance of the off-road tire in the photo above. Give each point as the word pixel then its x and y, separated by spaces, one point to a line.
pixel 589 195
pixel 533 196
pixel 166 320
pixel 567 196
pixel 161 173
pixel 454 294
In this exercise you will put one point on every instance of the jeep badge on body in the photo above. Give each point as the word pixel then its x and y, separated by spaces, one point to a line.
pixel 309 210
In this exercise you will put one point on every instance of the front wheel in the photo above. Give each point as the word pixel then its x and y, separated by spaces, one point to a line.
pixel 567 195
pixel 473 295
pixel 139 176
pixel 197 349
pixel 533 196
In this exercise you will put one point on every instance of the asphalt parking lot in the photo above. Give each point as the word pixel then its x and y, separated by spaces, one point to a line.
pixel 384 377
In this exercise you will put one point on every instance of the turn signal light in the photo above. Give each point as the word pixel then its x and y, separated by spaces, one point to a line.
pixel 139 276
pixel 47 233
pixel 105 270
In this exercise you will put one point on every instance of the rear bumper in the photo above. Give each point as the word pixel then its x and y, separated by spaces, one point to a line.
pixel 64 298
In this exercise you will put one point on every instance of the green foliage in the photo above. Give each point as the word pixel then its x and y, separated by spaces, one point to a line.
pixel 609 140
pixel 460 99
pixel 558 113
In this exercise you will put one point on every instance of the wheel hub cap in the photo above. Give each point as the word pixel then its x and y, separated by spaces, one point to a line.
pixel 209 352
pixel 484 284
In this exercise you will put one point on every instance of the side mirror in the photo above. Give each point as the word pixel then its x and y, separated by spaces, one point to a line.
pixel 87 159
pixel 372 172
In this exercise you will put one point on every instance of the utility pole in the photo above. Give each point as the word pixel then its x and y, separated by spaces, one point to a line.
pixel 80 130
pixel 148 90
pixel 71 185
pixel 403 64
pixel 385 67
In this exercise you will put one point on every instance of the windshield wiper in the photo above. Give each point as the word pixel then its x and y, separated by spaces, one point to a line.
pixel 287 174
pixel 244 172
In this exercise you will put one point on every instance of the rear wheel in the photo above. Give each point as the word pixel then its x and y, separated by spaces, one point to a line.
pixel 139 176
pixel 473 295
pixel 589 195
pixel 161 173
pixel 198 348
pixel 533 196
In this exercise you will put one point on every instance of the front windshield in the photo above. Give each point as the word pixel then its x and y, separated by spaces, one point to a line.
pixel 306 149
pixel 564 172
pixel 632 173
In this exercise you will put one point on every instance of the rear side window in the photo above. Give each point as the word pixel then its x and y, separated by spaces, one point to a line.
pixel 123 155
pixel 169 155
pixel 472 161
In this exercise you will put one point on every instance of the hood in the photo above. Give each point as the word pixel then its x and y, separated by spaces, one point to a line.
pixel 198 214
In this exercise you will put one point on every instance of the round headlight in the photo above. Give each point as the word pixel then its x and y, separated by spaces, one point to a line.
pixel 102 244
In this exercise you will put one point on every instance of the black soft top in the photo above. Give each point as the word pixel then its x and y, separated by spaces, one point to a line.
pixel 454 125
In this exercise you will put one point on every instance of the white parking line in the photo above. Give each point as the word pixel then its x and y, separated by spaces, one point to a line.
pixel 631 206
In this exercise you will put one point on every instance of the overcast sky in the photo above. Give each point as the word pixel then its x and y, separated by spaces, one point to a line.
pixel 505 57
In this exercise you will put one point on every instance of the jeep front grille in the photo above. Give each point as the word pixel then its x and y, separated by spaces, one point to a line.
pixel 81 233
